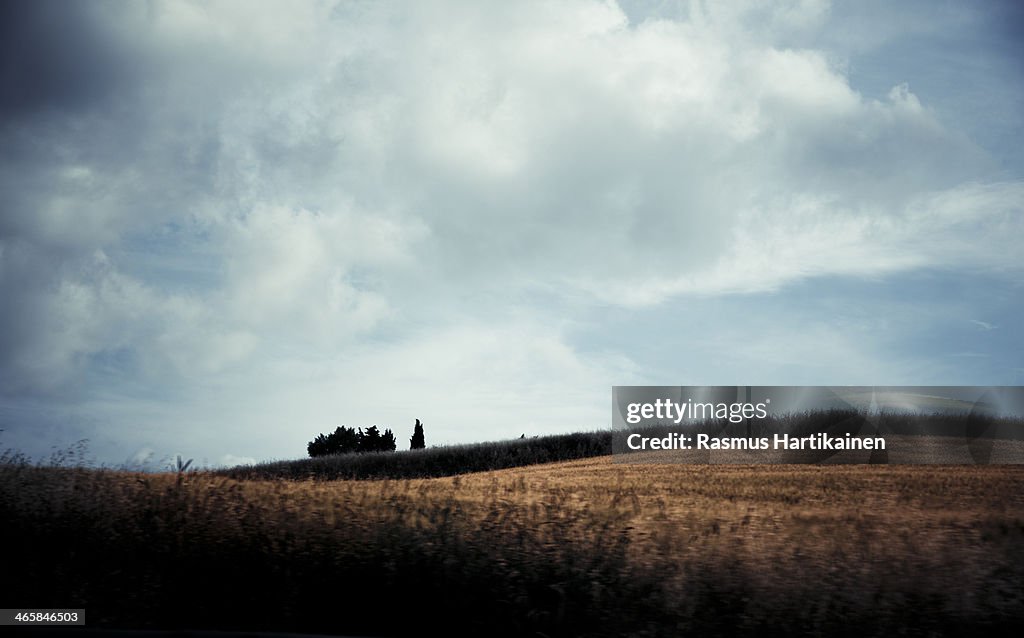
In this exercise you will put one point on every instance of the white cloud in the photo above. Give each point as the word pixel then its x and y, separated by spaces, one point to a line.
pixel 231 460
pixel 302 201
pixel 466 381
pixel 141 459
pixel 813 238
pixel 297 268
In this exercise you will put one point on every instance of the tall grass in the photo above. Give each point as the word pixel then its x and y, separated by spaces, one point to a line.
pixel 585 548
pixel 200 551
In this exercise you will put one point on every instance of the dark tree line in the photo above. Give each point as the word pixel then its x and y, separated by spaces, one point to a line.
pixel 345 439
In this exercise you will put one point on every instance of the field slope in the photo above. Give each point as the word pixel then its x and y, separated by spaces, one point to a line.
pixel 588 547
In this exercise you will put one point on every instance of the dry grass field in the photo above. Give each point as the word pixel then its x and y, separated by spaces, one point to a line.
pixel 589 547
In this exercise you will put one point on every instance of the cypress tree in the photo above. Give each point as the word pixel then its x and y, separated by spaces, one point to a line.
pixel 417 441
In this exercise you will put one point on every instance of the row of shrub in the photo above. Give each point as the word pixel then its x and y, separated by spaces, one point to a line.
pixel 481 457
pixel 435 461
pixel 344 440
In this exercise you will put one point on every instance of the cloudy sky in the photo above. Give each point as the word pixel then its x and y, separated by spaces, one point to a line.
pixel 226 227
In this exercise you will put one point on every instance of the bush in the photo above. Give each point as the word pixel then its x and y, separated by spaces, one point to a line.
pixel 344 440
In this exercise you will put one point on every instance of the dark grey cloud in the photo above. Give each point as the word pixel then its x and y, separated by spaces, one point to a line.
pixel 57 56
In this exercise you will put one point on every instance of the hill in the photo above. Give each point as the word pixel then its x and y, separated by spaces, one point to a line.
pixel 482 457
pixel 589 547
pixel 434 461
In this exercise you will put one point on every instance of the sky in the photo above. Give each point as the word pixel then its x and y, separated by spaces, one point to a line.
pixel 226 227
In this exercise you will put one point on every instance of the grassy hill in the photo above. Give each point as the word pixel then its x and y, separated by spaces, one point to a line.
pixel 582 548
pixel 435 461
pixel 498 455
pixel 586 547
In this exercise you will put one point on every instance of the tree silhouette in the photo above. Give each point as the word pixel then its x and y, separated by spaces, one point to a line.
pixel 342 440
pixel 388 442
pixel 345 439
pixel 369 441
pixel 318 446
pixel 417 442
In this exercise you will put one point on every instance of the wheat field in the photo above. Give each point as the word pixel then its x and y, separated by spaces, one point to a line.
pixel 588 547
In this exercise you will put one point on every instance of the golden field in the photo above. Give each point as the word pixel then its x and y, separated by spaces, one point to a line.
pixel 588 547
